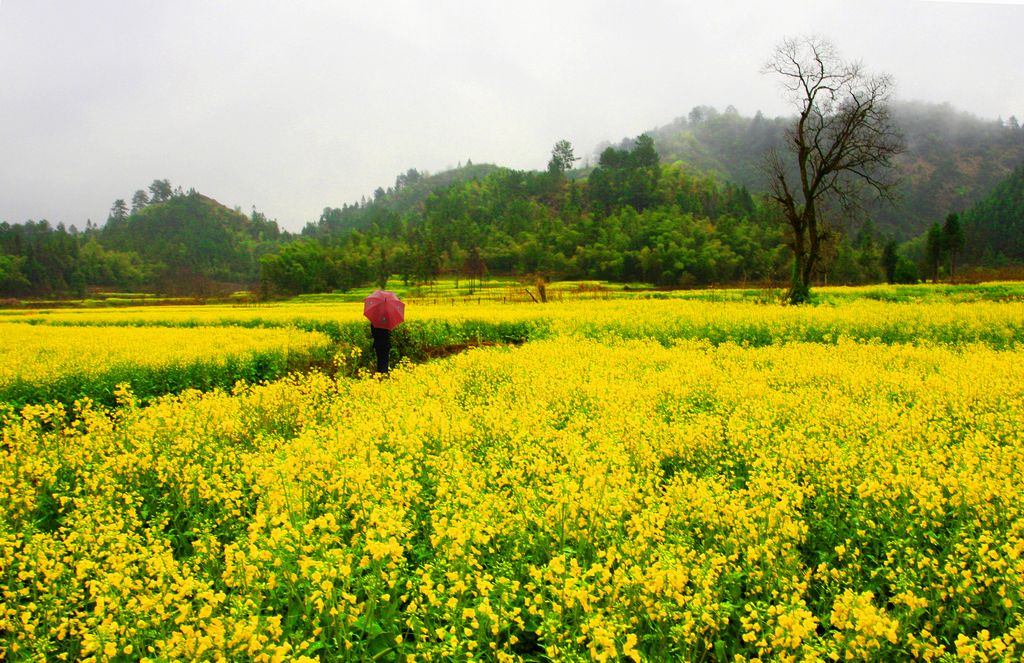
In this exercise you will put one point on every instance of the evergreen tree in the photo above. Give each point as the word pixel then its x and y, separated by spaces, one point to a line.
pixel 934 251
pixel 953 240
pixel 890 258
pixel 119 210
pixel 139 200
pixel 160 191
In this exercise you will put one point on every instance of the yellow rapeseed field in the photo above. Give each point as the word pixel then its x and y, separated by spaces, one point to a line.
pixel 996 323
pixel 646 480
pixel 38 352
pixel 40 362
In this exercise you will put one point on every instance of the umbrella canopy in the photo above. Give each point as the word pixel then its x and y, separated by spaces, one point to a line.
pixel 384 309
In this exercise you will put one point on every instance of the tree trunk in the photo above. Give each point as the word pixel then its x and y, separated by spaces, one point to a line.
pixel 805 253
pixel 800 285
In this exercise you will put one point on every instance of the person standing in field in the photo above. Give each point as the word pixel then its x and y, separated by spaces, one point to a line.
pixel 385 311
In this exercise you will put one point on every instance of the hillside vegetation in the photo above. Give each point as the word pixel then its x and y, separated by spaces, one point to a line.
pixel 631 219
pixel 953 159
pixel 994 226
pixel 678 206
pixel 184 243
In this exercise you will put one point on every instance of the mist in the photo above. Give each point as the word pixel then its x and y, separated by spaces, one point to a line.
pixel 293 108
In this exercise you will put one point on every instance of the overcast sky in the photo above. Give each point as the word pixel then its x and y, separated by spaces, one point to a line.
pixel 295 106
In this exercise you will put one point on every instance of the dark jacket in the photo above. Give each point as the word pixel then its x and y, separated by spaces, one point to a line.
pixel 382 346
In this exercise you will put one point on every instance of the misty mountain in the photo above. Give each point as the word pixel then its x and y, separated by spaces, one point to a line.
pixel 953 159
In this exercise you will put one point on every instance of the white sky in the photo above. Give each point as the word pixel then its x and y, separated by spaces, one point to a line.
pixel 295 106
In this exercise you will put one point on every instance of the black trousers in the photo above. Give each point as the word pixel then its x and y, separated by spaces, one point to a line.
pixel 382 346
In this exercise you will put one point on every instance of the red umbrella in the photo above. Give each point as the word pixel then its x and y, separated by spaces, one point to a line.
pixel 384 309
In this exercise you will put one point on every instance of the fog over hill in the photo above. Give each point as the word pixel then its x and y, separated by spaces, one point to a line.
pixel 953 158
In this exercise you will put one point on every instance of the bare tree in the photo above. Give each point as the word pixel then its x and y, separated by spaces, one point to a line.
pixel 840 147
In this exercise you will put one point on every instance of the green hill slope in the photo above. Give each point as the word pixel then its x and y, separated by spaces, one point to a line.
pixel 191 238
pixel 994 226
pixel 388 206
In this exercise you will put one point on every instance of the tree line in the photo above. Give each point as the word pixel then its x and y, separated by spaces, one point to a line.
pixel 630 218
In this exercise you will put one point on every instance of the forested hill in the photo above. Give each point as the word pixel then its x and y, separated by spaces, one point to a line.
pixel 631 219
pixel 385 211
pixel 190 238
pixel 994 226
pixel 170 241
pixel 953 159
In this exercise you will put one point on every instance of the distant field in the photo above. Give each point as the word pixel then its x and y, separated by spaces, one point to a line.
pixel 510 291
pixel 889 314
pixel 687 475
